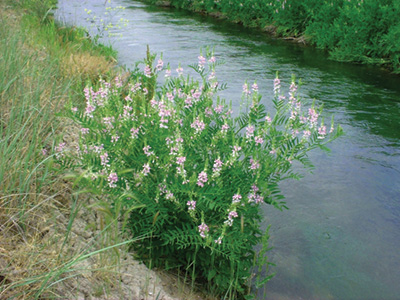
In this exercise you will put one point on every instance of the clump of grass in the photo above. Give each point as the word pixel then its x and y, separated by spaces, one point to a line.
pixel 85 64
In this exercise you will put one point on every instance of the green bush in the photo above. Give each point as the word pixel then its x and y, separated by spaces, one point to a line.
pixel 198 174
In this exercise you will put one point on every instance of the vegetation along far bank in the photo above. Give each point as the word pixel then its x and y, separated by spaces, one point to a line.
pixel 358 31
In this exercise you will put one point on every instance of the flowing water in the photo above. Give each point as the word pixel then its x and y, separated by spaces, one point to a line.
pixel 341 237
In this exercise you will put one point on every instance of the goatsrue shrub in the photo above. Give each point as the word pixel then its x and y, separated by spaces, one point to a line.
pixel 198 174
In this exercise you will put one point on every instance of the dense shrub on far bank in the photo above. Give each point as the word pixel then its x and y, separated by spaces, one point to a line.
pixel 363 31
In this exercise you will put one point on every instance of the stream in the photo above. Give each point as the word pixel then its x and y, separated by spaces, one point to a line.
pixel 340 239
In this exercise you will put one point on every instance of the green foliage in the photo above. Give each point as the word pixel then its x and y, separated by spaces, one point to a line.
pixel 40 9
pixel 358 31
pixel 363 31
pixel 197 175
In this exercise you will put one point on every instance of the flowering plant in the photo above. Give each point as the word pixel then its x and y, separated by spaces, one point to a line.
pixel 104 24
pixel 199 173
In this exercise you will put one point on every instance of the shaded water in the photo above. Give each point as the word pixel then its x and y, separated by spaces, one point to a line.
pixel 341 237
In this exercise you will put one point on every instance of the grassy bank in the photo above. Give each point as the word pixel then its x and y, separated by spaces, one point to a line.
pixel 42 67
pixel 360 31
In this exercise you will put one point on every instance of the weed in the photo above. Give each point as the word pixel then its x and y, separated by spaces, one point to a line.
pixel 195 175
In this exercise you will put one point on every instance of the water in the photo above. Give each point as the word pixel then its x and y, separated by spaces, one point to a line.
pixel 341 237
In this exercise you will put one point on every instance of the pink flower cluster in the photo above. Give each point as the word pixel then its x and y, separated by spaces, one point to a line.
pixel 312 117
pixel 202 179
pixel 259 140
pixel 108 121
pixel 134 133
pixel 147 151
pixel 246 90
pixel 164 113
pixel 179 70
pixel 198 125
pixel 196 95
pixel 292 92
pixel 254 164
pixel 203 229
pixel 181 167
pixel 249 132
pixel 97 149
pixel 147 71
pixel 231 215
pixel 188 101
pixel 114 139
pixel 84 130
pixel 218 109
pixel 90 108
pixel 253 197
pixel 191 204
pixel 236 150
pixel 219 240
pixel 180 160
pixel 104 160
pixel 217 167
pixel 60 147
pixel 159 65
pixel 224 128
pixel 322 132
pixel 112 179
pixel 146 169
pixel 236 198
pixel 202 62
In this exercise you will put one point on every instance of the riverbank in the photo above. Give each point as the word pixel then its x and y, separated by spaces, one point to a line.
pixel 354 31
pixel 54 242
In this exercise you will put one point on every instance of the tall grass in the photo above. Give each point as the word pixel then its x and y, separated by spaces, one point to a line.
pixel 42 66
pixel 29 95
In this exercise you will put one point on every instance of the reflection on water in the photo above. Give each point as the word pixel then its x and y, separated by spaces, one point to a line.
pixel 341 236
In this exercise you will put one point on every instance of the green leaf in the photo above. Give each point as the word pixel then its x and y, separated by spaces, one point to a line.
pixel 211 274
pixel 264 281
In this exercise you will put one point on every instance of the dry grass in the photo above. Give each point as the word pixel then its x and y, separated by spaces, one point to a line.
pixel 86 65
pixel 30 248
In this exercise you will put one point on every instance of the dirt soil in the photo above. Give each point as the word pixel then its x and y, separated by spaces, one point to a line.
pixel 132 279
